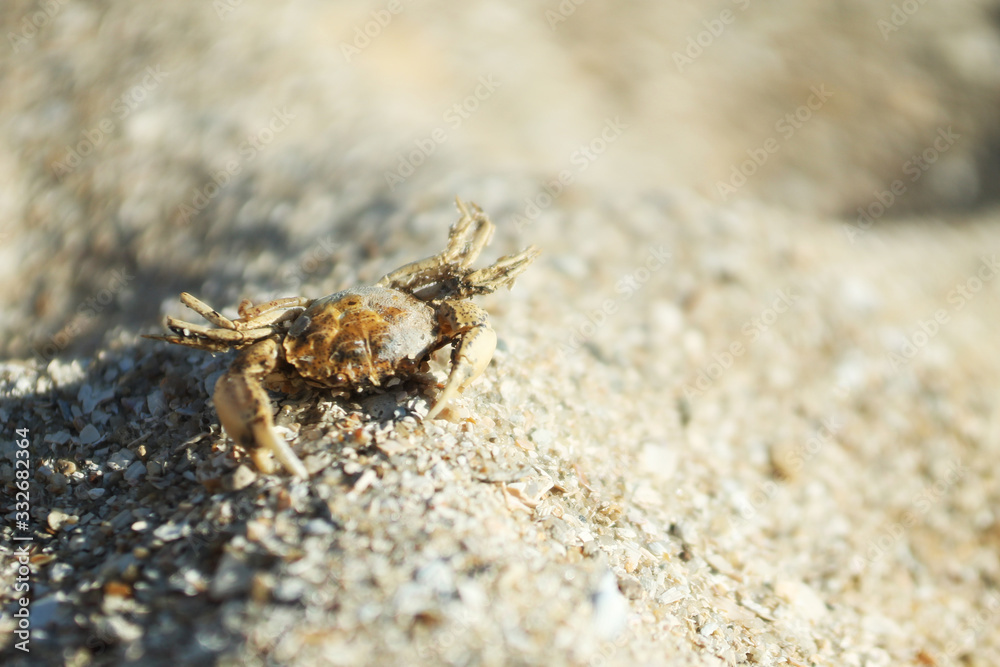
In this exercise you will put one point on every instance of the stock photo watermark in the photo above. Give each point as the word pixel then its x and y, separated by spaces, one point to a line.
pixel 581 158
pixel 121 108
pixel 454 117
pixel 604 653
pixel 31 24
pixel 793 463
pixel 900 16
pixel 626 286
pixel 291 279
pixel 796 460
pixel 927 328
pixel 972 627
pixel 752 329
pixel 890 534
pixel 788 465
pixel 248 150
pixel 562 12
pixel 367 33
pixel 714 27
pixel 913 169
pixel 785 127
pixel 22 537
pixel 86 312
pixel 223 8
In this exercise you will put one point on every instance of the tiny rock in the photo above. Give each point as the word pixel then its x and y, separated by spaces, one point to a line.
pixel 135 472
pixel 57 519
pixel 243 477
pixel 89 435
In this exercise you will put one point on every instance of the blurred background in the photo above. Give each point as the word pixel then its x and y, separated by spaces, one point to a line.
pixel 818 179
pixel 149 148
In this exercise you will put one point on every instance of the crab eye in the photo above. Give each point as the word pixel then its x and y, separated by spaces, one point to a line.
pixel 300 325
pixel 340 378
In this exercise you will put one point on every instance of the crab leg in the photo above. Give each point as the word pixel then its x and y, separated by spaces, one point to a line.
pixel 276 311
pixel 233 336
pixel 467 250
pixel 475 342
pixel 204 338
pixel 206 311
pixel 198 343
pixel 245 411
pixel 466 239
pixel 500 274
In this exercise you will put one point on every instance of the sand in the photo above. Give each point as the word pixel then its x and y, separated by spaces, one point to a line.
pixel 742 431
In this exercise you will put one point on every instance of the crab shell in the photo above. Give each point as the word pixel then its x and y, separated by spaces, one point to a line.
pixel 361 337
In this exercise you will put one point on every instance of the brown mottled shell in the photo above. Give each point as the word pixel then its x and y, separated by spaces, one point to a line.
pixel 361 337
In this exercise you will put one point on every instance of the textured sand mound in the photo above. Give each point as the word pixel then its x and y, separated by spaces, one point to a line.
pixel 714 432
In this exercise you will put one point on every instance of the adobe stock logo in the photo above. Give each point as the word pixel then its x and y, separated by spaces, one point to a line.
pixel 32 23
pixel 585 155
pixel 627 286
pixel 122 107
pixel 455 116
pixel 713 28
pixel 752 329
pixel 914 169
pixel 785 127
pixel 86 313
pixel 372 29
pixel 899 17
pixel 927 329
pixel 248 151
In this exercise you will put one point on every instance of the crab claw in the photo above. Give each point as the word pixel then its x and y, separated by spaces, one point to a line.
pixel 245 411
pixel 475 342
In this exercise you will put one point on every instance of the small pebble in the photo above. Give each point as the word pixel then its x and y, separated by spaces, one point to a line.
pixel 169 532
pixel 89 435
pixel 58 438
pixel 121 459
pixel 57 519
pixel 155 403
pixel 243 477
pixel 60 572
pixel 135 472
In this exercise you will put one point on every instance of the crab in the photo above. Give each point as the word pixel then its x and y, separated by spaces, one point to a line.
pixel 353 340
